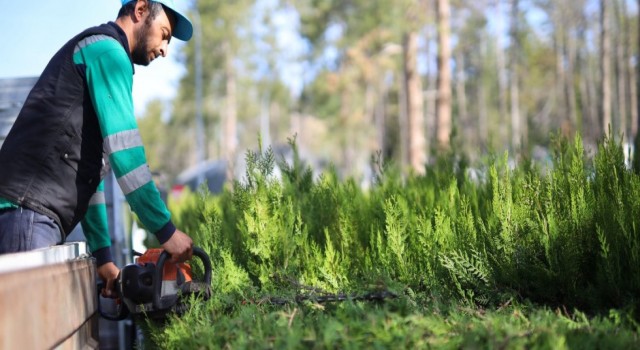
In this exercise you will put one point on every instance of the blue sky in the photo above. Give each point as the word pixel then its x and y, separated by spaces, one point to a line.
pixel 32 31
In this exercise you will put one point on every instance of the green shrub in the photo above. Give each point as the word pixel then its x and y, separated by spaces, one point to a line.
pixel 562 236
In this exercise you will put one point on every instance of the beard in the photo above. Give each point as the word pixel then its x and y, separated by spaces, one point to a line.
pixel 140 54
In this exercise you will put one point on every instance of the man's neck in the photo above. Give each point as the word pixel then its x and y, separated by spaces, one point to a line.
pixel 127 27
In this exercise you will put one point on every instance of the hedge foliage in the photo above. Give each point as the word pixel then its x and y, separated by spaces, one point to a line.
pixel 453 244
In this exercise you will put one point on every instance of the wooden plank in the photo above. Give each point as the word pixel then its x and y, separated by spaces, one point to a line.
pixel 43 307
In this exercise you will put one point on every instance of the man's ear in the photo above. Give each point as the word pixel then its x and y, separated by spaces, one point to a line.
pixel 142 6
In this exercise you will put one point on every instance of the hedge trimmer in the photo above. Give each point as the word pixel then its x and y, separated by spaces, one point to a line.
pixel 152 289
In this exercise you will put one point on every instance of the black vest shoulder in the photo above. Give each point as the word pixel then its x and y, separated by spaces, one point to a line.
pixel 51 159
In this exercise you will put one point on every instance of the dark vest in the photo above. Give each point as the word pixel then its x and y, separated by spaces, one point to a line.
pixel 51 161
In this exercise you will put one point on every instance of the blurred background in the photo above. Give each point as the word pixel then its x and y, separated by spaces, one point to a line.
pixel 360 82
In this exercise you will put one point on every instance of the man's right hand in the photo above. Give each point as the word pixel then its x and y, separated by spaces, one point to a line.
pixel 179 246
pixel 108 273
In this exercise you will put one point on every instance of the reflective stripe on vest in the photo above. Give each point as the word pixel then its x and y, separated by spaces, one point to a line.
pixel 90 40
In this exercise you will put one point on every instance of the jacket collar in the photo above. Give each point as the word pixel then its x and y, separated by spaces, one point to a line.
pixel 122 38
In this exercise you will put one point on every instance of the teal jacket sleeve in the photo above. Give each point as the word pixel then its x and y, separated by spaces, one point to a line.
pixel 109 76
pixel 96 229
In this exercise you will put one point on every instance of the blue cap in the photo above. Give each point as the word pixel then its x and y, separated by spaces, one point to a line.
pixel 183 29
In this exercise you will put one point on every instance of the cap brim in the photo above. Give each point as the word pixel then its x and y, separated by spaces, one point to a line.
pixel 183 28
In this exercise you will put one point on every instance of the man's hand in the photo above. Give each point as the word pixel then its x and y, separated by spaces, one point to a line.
pixel 108 273
pixel 179 246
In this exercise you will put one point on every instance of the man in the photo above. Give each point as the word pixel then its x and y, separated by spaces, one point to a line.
pixel 78 122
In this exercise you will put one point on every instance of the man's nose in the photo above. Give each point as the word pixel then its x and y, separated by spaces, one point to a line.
pixel 164 49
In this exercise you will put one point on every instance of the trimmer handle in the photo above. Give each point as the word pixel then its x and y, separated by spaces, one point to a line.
pixel 161 303
pixel 123 311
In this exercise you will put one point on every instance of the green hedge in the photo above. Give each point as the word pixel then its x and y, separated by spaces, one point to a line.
pixel 562 235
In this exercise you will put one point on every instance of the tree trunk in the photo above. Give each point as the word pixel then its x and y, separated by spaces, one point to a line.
pixel 632 126
pixel 379 118
pixel 431 122
pixel 200 131
pixel 587 70
pixel 276 117
pixel 561 71
pixel 415 104
pixel 483 115
pixel 443 108
pixel 605 67
pixel 636 139
pixel 345 126
pixel 596 100
pixel 627 75
pixel 503 81
pixel 461 94
pixel 230 113
pixel 633 97
pixel 265 122
pixel 403 124
pixel 517 127
pixel 570 90
pixel 620 72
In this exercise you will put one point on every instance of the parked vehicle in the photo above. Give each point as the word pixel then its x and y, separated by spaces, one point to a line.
pixel 213 173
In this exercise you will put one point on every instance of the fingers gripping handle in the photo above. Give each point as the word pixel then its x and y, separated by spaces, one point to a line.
pixel 122 310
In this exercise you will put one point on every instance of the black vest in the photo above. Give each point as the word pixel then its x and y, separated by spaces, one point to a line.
pixel 51 161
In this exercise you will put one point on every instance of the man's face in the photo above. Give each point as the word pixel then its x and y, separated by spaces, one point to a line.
pixel 152 38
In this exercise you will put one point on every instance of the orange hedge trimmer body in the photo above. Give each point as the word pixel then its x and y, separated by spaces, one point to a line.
pixel 152 289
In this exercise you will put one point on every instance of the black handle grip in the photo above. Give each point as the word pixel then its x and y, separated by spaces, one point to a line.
pixel 123 311
pixel 161 303
pixel 204 257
